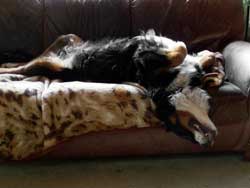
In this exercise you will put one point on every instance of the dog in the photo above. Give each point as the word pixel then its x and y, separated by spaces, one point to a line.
pixel 184 104
pixel 161 65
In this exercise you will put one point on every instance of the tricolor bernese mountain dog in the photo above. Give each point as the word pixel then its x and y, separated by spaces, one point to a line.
pixel 174 79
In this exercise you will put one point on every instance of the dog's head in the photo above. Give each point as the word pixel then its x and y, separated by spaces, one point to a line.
pixel 190 104
pixel 155 55
pixel 185 112
pixel 190 118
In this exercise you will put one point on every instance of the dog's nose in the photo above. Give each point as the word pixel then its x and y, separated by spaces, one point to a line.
pixel 211 138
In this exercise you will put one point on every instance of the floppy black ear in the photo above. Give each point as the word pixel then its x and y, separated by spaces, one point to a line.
pixel 161 98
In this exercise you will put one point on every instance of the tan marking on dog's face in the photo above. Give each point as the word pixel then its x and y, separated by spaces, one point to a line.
pixel 172 119
pixel 204 134
pixel 183 118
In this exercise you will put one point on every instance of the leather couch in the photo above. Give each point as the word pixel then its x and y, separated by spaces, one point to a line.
pixel 29 26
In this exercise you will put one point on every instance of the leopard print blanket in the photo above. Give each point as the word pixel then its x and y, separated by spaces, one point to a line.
pixel 37 114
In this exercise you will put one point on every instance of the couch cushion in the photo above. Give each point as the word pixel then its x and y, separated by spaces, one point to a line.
pixel 28 27
pixel 201 24
pixel 21 29
pixel 229 106
pixel 90 19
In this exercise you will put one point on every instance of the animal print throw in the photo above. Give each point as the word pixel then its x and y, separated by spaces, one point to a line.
pixel 37 113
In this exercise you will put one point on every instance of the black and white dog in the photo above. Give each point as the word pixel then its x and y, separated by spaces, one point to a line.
pixel 173 78
pixel 184 103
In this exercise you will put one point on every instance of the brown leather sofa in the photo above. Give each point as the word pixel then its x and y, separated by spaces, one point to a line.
pixel 27 27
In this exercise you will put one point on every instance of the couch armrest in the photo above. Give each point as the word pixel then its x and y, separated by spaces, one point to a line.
pixel 237 64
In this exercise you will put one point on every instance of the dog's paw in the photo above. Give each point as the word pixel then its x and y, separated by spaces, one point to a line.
pixel 212 80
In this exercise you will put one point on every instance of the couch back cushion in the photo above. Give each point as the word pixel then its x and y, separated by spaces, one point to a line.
pixel 27 27
pixel 21 29
pixel 208 24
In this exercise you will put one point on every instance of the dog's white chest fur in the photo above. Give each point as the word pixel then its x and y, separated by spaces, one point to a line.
pixel 183 79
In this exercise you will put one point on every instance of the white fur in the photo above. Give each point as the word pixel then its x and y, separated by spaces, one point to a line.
pixel 194 101
pixel 187 68
pixel 167 44
pixel 188 97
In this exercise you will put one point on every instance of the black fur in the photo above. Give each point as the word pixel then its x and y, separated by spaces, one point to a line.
pixel 116 61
